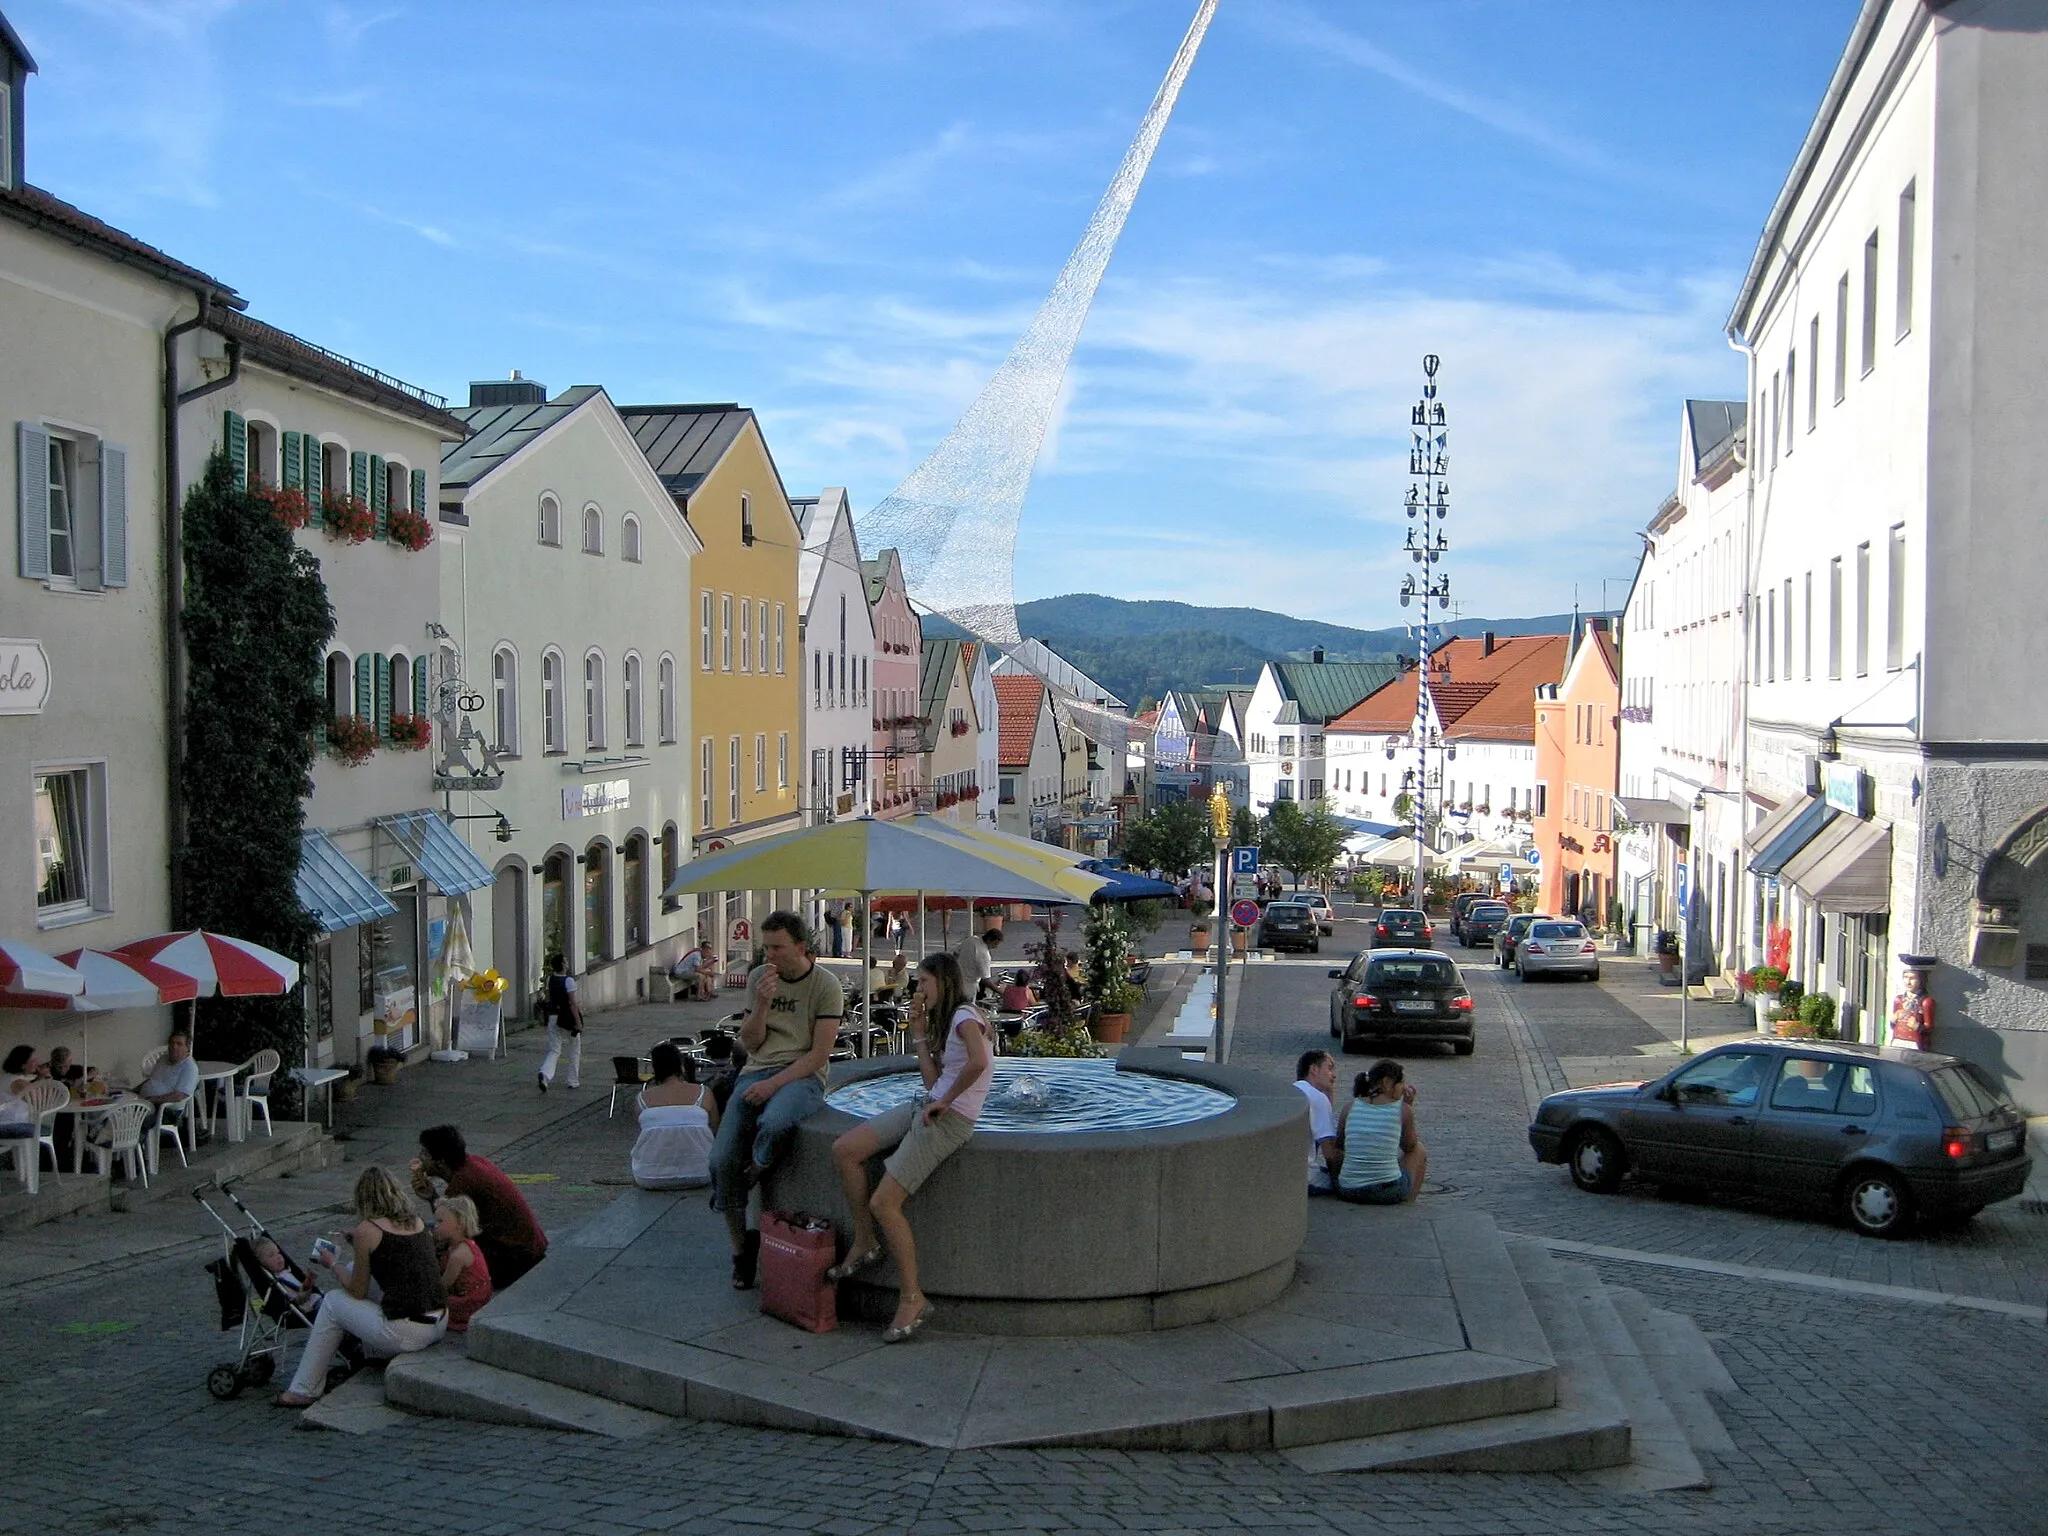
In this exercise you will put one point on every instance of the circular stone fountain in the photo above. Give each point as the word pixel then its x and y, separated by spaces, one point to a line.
pixel 1094 1197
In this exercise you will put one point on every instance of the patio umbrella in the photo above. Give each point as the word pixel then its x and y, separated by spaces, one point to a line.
pixel 24 968
pixel 1125 886
pixel 217 963
pixel 111 981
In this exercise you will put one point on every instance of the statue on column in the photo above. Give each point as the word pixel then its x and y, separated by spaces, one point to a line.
pixel 1913 1008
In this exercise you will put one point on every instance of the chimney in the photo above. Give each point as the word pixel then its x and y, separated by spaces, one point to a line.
pixel 1599 624
pixel 1316 655
pixel 517 390
pixel 1486 646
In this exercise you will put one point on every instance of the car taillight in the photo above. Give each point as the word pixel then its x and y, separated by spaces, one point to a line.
pixel 1381 930
pixel 1957 1142
pixel 1533 949
pixel 1588 949
pixel 1464 1004
pixel 1365 1000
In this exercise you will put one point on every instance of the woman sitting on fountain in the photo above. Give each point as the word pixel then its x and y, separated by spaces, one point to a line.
pixel 953 1054
pixel 1384 1160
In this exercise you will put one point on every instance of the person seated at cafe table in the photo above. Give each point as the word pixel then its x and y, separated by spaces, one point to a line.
pixel 176 1077
pixel 61 1069
pixel 19 1069
pixel 17 1120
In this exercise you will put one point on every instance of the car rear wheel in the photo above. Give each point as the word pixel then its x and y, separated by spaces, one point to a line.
pixel 1462 1047
pixel 1595 975
pixel 1596 1161
pixel 1877 1202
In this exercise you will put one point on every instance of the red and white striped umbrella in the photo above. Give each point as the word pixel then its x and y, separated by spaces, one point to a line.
pixel 26 969
pixel 217 963
pixel 125 981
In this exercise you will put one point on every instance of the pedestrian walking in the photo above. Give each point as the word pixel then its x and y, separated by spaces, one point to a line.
pixel 835 919
pixel 565 1025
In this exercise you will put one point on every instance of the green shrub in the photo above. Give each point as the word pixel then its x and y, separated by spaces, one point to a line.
pixel 1818 1009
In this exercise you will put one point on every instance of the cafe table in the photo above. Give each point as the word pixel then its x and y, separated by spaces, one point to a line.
pixel 223 1073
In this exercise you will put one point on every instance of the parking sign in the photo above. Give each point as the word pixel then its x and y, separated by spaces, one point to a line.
pixel 1244 861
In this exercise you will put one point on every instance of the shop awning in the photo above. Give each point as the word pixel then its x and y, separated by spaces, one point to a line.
pixel 1798 870
pixel 445 859
pixel 1855 875
pixel 1785 831
pixel 334 891
pixel 1646 811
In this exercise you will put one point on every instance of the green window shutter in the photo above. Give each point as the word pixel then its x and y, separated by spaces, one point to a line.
pixel 382 674
pixel 359 475
pixel 32 479
pixel 113 516
pixel 236 430
pixel 316 469
pixel 419 492
pixel 380 494
pixel 419 686
pixel 366 690
pixel 294 453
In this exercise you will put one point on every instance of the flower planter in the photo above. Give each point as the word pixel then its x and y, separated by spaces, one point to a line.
pixel 1198 937
pixel 1667 966
pixel 1109 1028
pixel 384 1073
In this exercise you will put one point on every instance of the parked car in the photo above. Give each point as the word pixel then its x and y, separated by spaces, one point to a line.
pixel 1317 903
pixel 1289 925
pixel 1558 946
pixel 1883 1136
pixel 1482 920
pixel 1511 932
pixel 1402 925
pixel 1401 994
pixel 1462 903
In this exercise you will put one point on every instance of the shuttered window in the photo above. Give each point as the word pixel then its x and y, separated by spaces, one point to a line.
pixel 359 476
pixel 380 494
pixel 381 671
pixel 316 471
pixel 32 478
pixel 113 516
pixel 419 492
pixel 71 514
pixel 366 689
pixel 235 433
pixel 419 686
pixel 292 454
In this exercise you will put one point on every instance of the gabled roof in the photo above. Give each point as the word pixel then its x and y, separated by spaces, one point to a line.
pixel 39 210
pixel 497 432
pixel 1711 424
pixel 13 40
pixel 1019 698
pixel 685 442
pixel 876 573
pixel 1041 660
pixel 934 684
pixel 826 522
pixel 1325 689
pixel 288 354
pixel 1477 696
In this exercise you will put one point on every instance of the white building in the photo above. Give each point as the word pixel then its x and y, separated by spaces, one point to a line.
pixel 563 565
pixel 1899 348
pixel 837 633
pixel 1284 720
pixel 981 687
pixel 1681 687
pixel 1031 758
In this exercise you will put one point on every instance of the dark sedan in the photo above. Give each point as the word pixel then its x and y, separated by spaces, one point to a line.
pixel 1290 925
pixel 1509 934
pixel 1403 926
pixel 1884 1137
pixel 1482 920
pixel 1401 994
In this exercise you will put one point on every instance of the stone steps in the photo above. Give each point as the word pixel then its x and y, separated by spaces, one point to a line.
pixel 445 1383
pixel 297 1147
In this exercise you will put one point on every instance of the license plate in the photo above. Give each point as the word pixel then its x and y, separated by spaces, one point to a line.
pixel 1998 1141
pixel 1413 1005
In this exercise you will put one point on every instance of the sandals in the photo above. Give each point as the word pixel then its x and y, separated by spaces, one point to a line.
pixel 909 1330
pixel 854 1264
pixel 292 1400
pixel 746 1263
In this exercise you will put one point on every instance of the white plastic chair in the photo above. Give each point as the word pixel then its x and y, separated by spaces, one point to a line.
pixel 44 1099
pixel 124 1124
pixel 27 1153
pixel 256 1091
pixel 151 1058
pixel 169 1121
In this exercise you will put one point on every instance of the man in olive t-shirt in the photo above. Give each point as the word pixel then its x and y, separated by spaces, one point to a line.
pixel 796 1008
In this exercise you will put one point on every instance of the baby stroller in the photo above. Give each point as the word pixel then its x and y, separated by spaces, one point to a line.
pixel 266 1305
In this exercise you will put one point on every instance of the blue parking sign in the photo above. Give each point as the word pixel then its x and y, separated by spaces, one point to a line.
pixel 1244 861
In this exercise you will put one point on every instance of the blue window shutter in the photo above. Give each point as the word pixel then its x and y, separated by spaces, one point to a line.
pixel 380 494
pixel 366 691
pixel 32 476
pixel 293 453
pixel 236 431
pixel 316 469
pixel 113 516
pixel 382 663
pixel 419 682
pixel 419 492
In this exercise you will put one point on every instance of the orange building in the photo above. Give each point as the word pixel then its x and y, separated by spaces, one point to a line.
pixel 1578 775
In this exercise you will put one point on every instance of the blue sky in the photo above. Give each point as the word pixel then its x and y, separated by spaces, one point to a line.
pixel 842 214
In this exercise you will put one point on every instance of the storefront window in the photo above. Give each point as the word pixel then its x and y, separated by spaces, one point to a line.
pixel 554 911
pixel 395 973
pixel 597 903
pixel 634 889
pixel 320 990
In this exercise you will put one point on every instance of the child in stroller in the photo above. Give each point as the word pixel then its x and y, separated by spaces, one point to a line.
pixel 261 1291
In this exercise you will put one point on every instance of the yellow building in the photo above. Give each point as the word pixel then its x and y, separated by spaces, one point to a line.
pixel 746 713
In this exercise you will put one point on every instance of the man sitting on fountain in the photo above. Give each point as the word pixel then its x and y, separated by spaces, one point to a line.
pixel 1315 1074
pixel 796 1013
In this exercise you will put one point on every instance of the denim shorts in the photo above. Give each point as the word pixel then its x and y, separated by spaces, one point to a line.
pixel 1393 1192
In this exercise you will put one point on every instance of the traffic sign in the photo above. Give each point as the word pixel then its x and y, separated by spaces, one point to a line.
pixel 1535 855
pixel 1244 913
pixel 1244 861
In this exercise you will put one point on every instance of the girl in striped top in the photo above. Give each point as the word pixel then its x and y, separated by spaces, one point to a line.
pixel 1384 1160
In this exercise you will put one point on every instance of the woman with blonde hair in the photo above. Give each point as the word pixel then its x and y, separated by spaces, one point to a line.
pixel 463 1270
pixel 394 1248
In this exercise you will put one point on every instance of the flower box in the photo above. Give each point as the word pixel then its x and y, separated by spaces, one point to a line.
pixel 351 738
pixel 412 733
pixel 347 517
pixel 410 529
pixel 288 506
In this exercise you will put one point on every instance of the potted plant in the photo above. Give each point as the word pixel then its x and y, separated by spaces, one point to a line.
pixel 412 733
pixel 1113 1012
pixel 351 738
pixel 384 1064
pixel 345 1087
pixel 1766 978
pixel 409 529
pixel 347 517
pixel 1667 954
pixel 1818 1010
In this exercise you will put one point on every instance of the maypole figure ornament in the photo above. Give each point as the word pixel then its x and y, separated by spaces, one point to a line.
pixel 1428 504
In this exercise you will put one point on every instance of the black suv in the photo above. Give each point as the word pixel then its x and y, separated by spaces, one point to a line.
pixel 1482 920
pixel 1290 925
pixel 1403 926
pixel 1881 1136
pixel 1401 994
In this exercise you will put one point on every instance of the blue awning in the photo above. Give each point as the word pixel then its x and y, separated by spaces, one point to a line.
pixel 334 891
pixel 1355 826
pixel 1787 830
pixel 445 859
pixel 1124 885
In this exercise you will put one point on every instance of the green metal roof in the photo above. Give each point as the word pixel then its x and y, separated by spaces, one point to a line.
pixel 685 442
pixel 496 432
pixel 1325 689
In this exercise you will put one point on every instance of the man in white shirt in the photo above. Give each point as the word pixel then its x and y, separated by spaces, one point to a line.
pixel 176 1077
pixel 1315 1075
pixel 976 966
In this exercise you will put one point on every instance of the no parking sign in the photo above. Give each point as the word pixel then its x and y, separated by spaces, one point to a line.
pixel 1245 913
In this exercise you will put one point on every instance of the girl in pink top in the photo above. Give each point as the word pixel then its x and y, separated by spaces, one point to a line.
pixel 953 1056
pixel 463 1270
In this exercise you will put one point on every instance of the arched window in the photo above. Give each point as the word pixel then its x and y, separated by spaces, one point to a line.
pixel 550 521
pixel 633 893
pixel 401 686
pixel 593 531
pixel 666 682
pixel 597 905
pixel 593 700
pixel 333 470
pixel 554 728
pixel 629 539
pixel 262 440
pixel 505 697
pixel 398 488
pixel 634 702
pixel 341 699
pixel 671 861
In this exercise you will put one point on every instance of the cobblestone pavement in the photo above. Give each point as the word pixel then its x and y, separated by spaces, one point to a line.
pixel 1854 1414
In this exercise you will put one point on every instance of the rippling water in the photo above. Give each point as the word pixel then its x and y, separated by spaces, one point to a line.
pixel 1048 1096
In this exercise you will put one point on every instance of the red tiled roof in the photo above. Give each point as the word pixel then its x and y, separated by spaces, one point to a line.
pixel 1478 697
pixel 38 209
pixel 1018 701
